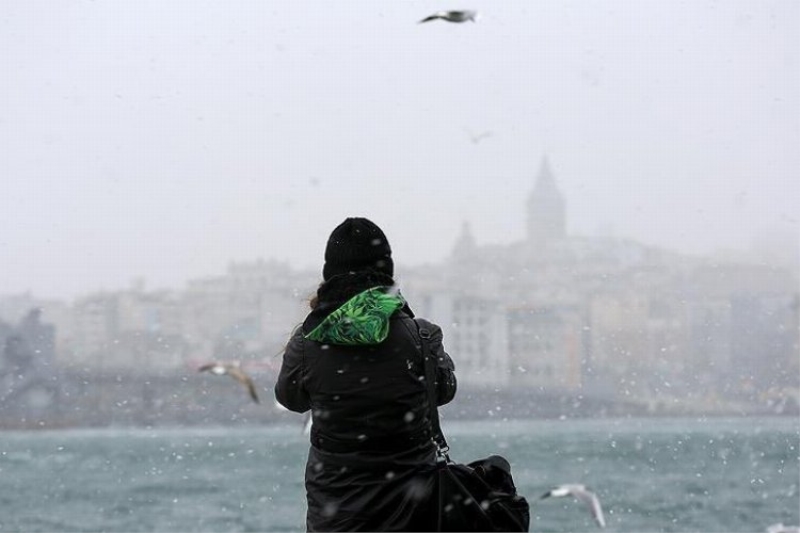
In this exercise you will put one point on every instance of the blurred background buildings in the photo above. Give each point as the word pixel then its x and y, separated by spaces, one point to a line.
pixel 552 324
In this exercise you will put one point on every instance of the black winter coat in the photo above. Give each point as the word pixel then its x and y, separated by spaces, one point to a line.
pixel 371 458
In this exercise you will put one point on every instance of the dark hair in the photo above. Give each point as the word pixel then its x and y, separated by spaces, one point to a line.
pixel 340 288
pixel 313 301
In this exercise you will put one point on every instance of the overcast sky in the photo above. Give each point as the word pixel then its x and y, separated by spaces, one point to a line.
pixel 163 139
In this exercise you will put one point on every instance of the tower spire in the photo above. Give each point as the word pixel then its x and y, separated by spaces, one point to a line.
pixel 546 182
pixel 465 245
pixel 546 208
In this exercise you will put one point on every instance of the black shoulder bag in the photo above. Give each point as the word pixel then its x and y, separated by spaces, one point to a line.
pixel 479 496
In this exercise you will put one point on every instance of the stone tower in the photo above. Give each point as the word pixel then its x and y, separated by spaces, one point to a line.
pixel 546 209
pixel 465 245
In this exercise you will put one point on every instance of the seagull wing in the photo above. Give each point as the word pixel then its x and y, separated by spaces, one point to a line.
pixel 591 499
pixel 561 490
pixel 239 375
pixel 206 367
pixel 579 492
pixel 430 18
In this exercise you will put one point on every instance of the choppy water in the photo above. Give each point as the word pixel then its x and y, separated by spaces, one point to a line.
pixel 733 475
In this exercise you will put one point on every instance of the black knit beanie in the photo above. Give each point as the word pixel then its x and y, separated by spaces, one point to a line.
pixel 357 244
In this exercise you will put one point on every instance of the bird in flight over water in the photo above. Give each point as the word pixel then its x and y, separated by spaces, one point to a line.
pixel 451 16
pixel 232 370
pixel 579 492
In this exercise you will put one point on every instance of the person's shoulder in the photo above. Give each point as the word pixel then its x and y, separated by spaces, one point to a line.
pixel 433 329
pixel 296 339
pixel 425 322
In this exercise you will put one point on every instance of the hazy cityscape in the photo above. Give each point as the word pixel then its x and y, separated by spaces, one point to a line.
pixel 596 201
pixel 553 325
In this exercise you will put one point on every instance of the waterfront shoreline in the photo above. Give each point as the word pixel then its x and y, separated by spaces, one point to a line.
pixel 189 403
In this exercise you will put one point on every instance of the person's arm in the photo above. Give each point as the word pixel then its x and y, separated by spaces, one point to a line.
pixel 289 388
pixel 446 384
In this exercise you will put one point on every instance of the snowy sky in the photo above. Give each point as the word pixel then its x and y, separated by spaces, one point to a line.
pixel 162 139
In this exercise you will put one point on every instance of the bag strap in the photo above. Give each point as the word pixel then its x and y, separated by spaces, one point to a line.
pixel 429 360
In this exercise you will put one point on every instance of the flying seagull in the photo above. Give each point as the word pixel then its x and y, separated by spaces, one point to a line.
pixel 452 16
pixel 476 138
pixel 232 370
pixel 579 492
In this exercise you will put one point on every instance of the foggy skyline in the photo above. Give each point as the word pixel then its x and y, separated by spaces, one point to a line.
pixel 163 140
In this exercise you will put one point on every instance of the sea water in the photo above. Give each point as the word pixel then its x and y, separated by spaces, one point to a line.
pixel 651 475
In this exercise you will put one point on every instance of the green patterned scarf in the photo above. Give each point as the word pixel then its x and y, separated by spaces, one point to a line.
pixel 363 319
